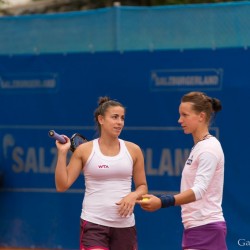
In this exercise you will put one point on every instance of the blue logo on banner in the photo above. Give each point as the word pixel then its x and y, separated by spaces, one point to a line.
pixel 28 82
pixel 186 79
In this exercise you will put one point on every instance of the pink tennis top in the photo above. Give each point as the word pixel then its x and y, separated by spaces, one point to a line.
pixel 204 174
pixel 107 180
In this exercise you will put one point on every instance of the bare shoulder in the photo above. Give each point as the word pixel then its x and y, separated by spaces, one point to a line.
pixel 84 150
pixel 135 152
pixel 132 147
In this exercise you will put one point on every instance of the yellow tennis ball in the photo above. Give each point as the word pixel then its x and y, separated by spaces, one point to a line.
pixel 145 199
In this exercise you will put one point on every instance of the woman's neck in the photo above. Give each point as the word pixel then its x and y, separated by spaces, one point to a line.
pixel 110 146
pixel 108 141
pixel 201 136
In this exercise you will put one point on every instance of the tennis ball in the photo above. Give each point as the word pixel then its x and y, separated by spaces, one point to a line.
pixel 145 199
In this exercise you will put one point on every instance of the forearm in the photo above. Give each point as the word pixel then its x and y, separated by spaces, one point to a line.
pixel 141 190
pixel 184 197
pixel 178 199
pixel 61 173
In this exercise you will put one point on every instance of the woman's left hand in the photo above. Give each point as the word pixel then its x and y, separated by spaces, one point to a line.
pixel 126 205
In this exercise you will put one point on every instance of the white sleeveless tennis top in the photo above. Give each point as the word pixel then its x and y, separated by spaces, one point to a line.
pixel 107 180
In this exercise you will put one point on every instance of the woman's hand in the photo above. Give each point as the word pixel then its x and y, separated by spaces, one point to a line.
pixel 63 147
pixel 126 205
pixel 149 203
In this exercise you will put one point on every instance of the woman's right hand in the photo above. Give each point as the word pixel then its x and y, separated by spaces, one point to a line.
pixel 63 147
pixel 149 202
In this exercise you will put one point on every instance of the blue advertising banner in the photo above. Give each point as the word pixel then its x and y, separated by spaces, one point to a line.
pixel 60 91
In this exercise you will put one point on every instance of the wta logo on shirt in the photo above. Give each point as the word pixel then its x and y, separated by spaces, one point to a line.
pixel 103 166
pixel 189 160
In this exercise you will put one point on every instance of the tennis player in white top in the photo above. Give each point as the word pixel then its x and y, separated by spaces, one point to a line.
pixel 202 178
pixel 109 164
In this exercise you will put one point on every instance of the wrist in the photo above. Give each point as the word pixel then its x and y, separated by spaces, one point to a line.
pixel 167 200
pixel 136 195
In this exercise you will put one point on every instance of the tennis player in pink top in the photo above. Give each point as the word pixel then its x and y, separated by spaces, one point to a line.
pixel 202 178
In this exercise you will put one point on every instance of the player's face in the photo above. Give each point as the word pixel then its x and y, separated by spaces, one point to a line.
pixel 113 120
pixel 189 119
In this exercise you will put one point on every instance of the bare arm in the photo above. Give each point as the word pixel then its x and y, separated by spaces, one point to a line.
pixel 184 197
pixel 154 203
pixel 139 174
pixel 65 175
pixel 127 203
